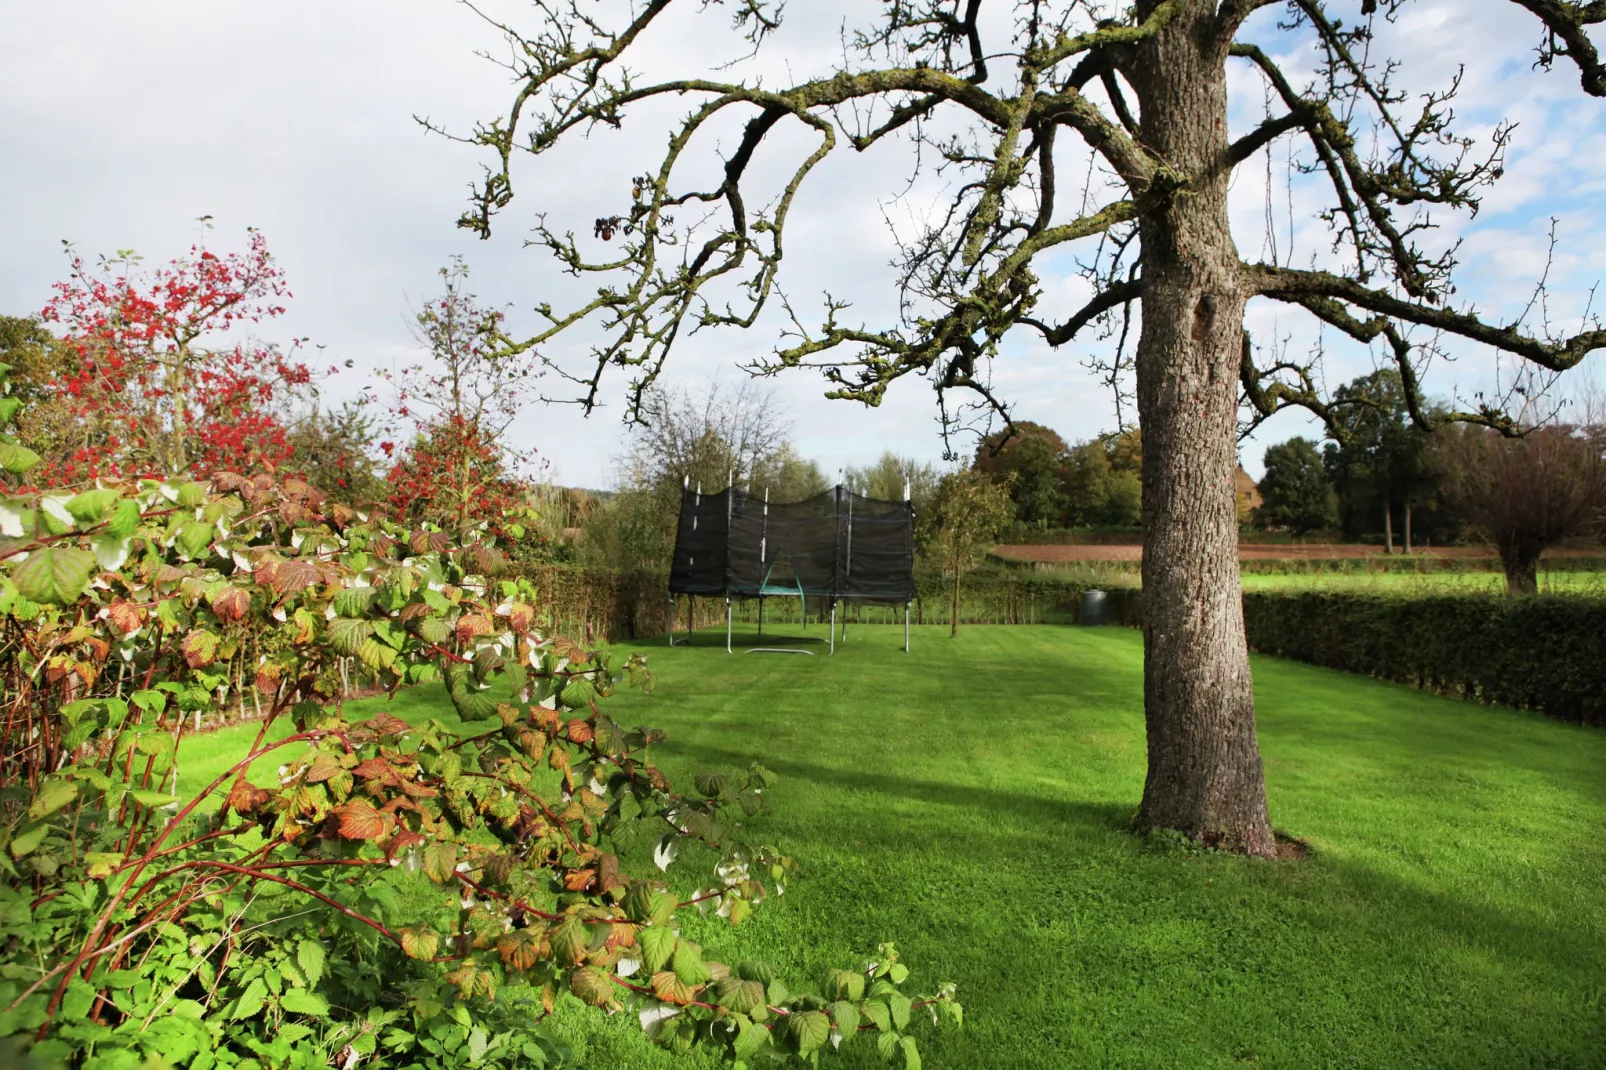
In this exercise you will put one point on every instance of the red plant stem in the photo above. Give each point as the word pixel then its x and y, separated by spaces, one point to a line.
pixel 88 950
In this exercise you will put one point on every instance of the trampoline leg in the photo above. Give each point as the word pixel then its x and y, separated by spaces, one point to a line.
pixel 727 625
pixel 833 627
pixel 761 616
pixel 906 627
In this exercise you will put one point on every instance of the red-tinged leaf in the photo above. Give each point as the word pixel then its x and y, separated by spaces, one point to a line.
pixel 580 732
pixel 521 949
pixel 385 724
pixel 520 616
pixel 267 678
pixel 671 989
pixel 359 820
pixel 323 767
pixel 472 981
pixel 287 577
pixel 124 617
pixel 231 603
pixel 245 797
pixel 608 873
pixel 440 861
pixel 374 769
pixel 592 985
pixel 401 840
pixel 420 943
pixel 472 625
pixel 199 648
pixel 579 880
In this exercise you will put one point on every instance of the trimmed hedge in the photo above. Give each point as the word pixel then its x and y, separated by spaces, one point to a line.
pixel 1542 653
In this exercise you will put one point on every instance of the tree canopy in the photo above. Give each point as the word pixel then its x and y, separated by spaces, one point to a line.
pixel 1069 133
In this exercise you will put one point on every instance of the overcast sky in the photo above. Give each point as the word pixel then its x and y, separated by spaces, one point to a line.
pixel 121 123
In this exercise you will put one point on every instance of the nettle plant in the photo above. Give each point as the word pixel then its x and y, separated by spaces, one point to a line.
pixel 350 891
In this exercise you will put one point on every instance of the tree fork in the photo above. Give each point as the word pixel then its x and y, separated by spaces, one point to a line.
pixel 1204 776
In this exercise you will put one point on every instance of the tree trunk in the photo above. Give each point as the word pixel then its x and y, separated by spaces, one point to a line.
pixel 1407 525
pixel 1388 526
pixel 953 627
pixel 1204 776
pixel 1520 560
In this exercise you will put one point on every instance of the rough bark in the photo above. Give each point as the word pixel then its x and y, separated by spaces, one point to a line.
pixel 1407 525
pixel 1388 526
pixel 1204 776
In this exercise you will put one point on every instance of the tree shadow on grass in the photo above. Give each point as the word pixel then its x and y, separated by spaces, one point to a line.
pixel 1034 809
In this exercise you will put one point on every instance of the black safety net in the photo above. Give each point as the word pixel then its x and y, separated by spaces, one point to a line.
pixel 836 545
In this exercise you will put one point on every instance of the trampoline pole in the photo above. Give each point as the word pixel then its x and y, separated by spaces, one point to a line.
pixel 833 626
pixel 906 627
pixel 727 624
pixel 761 616
pixel 691 616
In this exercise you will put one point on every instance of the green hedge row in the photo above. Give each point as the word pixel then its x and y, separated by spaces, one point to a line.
pixel 1546 653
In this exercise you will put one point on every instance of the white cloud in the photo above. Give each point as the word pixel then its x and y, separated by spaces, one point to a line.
pixel 121 123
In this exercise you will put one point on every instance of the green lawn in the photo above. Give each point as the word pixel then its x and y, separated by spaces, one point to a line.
pixel 1556 582
pixel 969 801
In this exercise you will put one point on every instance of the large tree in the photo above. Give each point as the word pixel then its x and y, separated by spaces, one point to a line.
pixel 1528 493
pixel 1295 493
pixel 1379 460
pixel 997 94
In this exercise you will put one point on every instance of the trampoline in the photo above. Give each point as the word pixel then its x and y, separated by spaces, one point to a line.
pixel 838 546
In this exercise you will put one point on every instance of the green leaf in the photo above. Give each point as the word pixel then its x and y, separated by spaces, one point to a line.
pixel 191 495
pixel 17 459
pixel 348 635
pixel 577 693
pixel 354 601
pixel 750 1038
pixel 250 1001
pixel 900 1004
pixel 738 995
pixel 845 1016
pixel 301 1001
pixel 569 939
pixel 153 799
pixel 194 537
pixel 92 506
pixel 878 1013
pixel 751 970
pixel 657 945
pixel 9 407
pixel 844 984
pixel 809 1030
pixel 54 575
pixel 124 519
pixel 53 795
pixel 376 656
pixel 661 908
pixel 899 973
pixel 75 1004
pixel 911 1054
pixel 689 966
pixel 310 957
pixel 478 1044
pixel 25 843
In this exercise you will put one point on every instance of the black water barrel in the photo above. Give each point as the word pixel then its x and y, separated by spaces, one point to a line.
pixel 1095 608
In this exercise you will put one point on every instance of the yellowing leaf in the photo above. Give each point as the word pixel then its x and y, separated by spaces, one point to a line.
pixel 360 821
